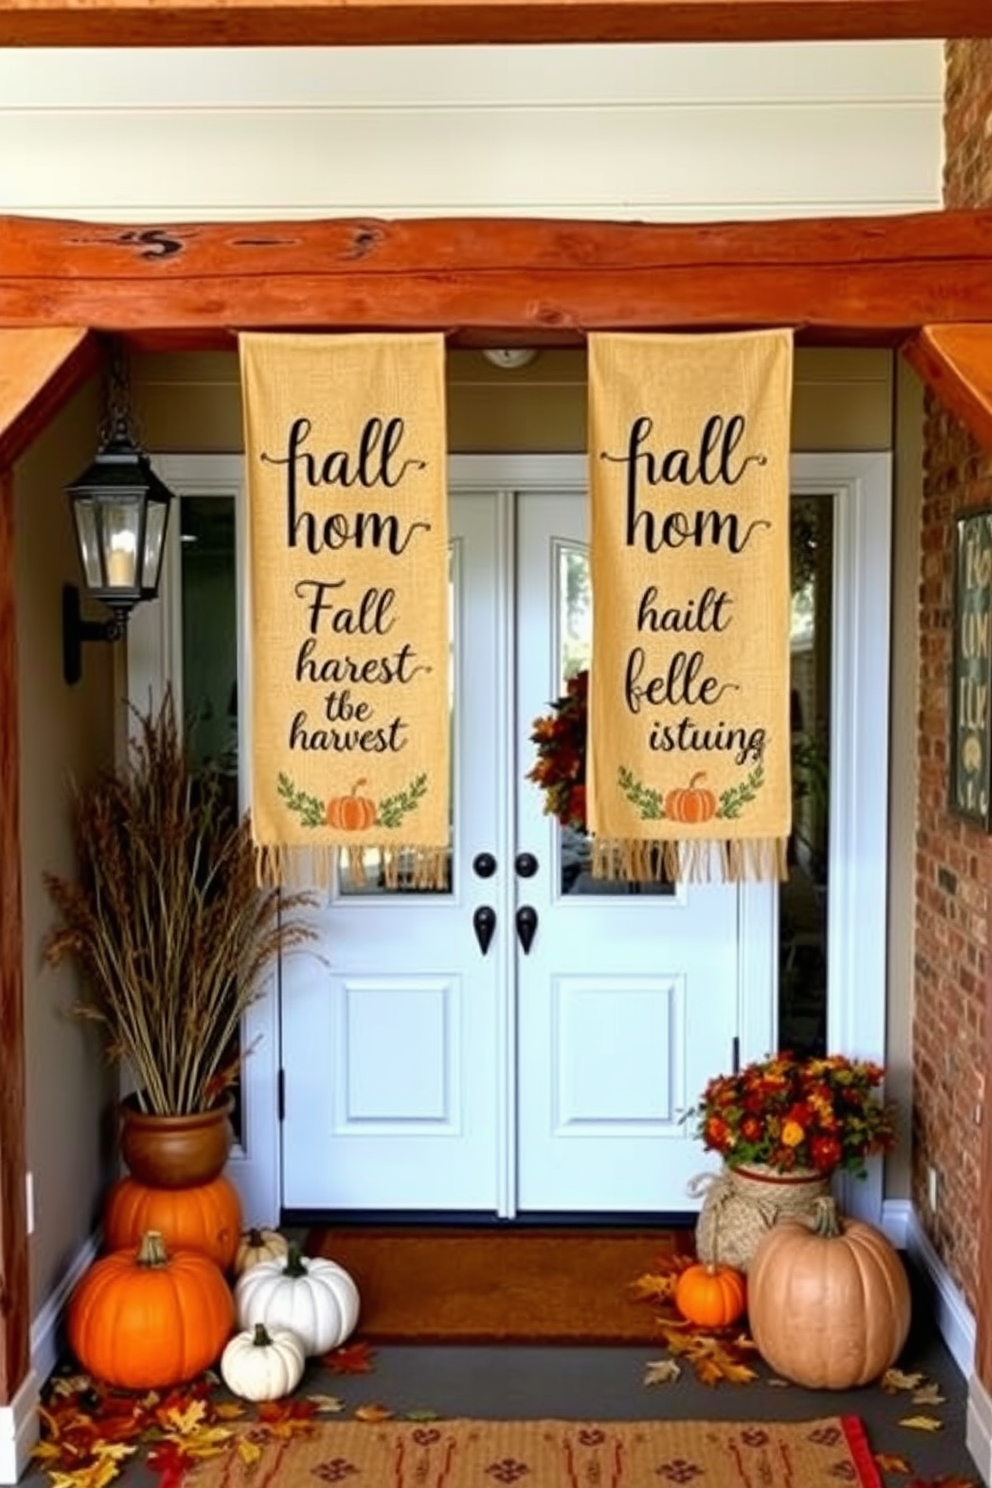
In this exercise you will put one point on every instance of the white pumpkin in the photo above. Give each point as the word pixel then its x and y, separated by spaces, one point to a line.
pixel 258 1244
pixel 315 1299
pixel 259 1365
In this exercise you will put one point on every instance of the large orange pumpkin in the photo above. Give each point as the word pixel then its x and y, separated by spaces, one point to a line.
pixel 691 803
pixel 206 1217
pixel 352 813
pixel 829 1307
pixel 144 1320
pixel 711 1296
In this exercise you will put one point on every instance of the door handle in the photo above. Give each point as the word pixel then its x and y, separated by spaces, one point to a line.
pixel 484 924
pixel 526 926
pixel 526 864
pixel 484 864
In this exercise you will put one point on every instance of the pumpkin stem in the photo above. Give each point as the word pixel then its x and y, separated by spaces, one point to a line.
pixel 825 1221
pixel 700 775
pixel 255 1237
pixel 354 788
pixel 295 1261
pixel 152 1251
pixel 260 1338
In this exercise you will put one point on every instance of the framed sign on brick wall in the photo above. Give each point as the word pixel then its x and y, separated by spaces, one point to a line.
pixel 971 694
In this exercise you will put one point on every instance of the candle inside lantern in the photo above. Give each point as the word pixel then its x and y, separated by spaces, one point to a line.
pixel 120 561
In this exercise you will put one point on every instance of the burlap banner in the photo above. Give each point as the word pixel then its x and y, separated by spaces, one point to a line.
pixel 349 659
pixel 689 750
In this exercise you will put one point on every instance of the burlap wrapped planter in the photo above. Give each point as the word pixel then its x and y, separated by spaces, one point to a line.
pixel 741 1205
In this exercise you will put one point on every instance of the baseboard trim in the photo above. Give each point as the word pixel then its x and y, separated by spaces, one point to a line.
pixel 48 1322
pixel 978 1427
pixel 952 1315
pixel 19 1430
pixel 19 1421
pixel 896 1214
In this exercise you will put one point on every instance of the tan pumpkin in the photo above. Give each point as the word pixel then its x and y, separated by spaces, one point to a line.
pixel 258 1244
pixel 146 1320
pixel 828 1301
pixel 351 813
pixel 206 1217
pixel 691 803
pixel 711 1296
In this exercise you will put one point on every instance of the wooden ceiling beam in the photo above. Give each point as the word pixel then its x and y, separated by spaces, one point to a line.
pixel 955 362
pixel 227 23
pixel 855 281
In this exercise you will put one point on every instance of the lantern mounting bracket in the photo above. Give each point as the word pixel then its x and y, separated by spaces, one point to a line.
pixel 76 630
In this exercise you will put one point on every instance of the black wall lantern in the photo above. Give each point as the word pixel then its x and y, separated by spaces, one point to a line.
pixel 120 510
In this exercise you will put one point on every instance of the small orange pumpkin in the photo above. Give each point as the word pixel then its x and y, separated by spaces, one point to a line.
pixel 711 1296
pixel 206 1217
pixel 691 803
pixel 352 813
pixel 145 1320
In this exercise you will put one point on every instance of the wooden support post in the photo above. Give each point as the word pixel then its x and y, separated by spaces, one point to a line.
pixel 38 371
pixel 15 1316
pixel 955 362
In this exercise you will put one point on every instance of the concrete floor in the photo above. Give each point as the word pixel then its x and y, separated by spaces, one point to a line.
pixel 527 1381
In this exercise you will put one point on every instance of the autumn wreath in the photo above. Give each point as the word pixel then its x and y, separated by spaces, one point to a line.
pixel 560 767
pixel 788 1113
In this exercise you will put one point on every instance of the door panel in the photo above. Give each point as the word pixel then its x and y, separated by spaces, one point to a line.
pixel 391 1039
pixel 628 1000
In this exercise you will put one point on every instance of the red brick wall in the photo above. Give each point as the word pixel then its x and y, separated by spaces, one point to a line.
pixel 953 859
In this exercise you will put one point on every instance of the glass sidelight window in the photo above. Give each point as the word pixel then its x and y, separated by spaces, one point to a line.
pixel 803 897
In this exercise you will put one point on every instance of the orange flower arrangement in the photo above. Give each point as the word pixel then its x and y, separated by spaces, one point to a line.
pixel 560 769
pixel 789 1113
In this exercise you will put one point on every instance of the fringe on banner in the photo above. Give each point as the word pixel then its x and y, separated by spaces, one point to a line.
pixel 740 860
pixel 417 868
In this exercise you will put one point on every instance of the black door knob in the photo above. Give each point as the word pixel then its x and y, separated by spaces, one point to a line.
pixel 525 864
pixel 484 864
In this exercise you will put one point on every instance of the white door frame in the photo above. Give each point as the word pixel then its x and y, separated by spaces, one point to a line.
pixel 861 487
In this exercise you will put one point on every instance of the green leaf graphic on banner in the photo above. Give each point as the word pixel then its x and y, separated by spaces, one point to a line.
pixel 307 807
pixel 648 802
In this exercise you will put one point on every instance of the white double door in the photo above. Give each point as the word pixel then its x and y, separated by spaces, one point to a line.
pixel 430 1066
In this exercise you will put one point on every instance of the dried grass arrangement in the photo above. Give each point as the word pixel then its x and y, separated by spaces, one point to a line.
pixel 165 918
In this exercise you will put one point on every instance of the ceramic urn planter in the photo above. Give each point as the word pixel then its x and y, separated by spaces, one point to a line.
pixel 176 1151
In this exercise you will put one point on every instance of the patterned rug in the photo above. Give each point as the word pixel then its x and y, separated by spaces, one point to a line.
pixel 492 1285
pixel 553 1454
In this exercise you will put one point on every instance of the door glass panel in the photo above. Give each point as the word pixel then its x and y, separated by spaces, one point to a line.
pixel 803 897
pixel 208 578
pixel 574 629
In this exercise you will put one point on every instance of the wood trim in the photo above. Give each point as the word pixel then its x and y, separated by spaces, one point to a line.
pixel 955 362
pixel 39 370
pixel 15 1311
pixel 103 23
pixel 854 281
